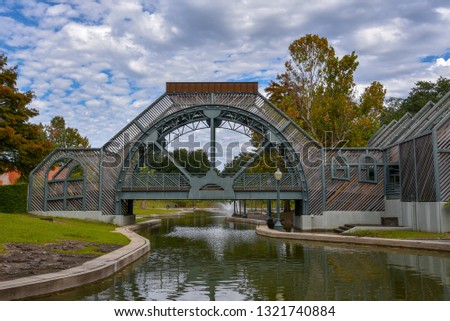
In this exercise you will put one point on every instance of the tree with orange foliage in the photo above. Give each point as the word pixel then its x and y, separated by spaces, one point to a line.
pixel 22 144
pixel 317 90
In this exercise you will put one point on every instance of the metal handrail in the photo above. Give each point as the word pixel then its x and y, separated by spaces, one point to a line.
pixel 156 181
pixel 266 181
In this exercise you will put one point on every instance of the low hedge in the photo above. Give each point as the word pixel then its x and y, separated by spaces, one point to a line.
pixel 13 198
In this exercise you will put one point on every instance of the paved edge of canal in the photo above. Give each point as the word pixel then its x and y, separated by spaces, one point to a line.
pixel 89 272
pixel 108 264
pixel 263 230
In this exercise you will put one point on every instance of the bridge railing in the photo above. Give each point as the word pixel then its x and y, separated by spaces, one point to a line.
pixel 155 182
pixel 266 182
pixel 178 182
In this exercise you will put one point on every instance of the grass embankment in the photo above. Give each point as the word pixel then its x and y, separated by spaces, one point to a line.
pixel 31 229
pixel 144 209
pixel 396 234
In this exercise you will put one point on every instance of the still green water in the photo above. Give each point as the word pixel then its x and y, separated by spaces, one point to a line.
pixel 201 257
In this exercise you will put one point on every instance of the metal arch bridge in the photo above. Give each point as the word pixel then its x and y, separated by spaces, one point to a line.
pixel 111 179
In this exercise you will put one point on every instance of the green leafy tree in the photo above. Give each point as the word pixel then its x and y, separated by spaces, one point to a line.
pixel 423 92
pixel 194 161
pixel 22 144
pixel 317 90
pixel 236 163
pixel 420 94
pixel 369 114
pixel 64 137
pixel 392 109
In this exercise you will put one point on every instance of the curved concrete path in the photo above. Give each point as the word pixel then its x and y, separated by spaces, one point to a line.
pixel 91 271
pixel 263 230
pixel 433 245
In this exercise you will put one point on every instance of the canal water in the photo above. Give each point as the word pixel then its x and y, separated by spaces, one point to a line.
pixel 202 257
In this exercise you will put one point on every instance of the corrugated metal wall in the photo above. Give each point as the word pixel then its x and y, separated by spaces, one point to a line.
pixel 407 172
pixel 426 184
pixel 352 194
pixel 417 170
pixel 89 159
pixel 171 103
pixel 443 152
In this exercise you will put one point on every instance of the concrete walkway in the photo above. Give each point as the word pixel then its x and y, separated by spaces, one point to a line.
pixel 263 230
pixel 433 245
pixel 91 271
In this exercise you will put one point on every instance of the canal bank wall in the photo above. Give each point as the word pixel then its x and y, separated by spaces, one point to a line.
pixel 263 230
pixel 89 272
pixel 431 245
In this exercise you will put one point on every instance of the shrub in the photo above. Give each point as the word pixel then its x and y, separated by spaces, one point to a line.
pixel 13 198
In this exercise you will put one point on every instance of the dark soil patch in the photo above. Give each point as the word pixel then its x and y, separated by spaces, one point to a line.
pixel 23 260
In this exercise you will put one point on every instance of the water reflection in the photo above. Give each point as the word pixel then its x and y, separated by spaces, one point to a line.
pixel 200 257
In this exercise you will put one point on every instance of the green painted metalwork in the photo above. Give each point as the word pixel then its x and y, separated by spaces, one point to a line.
pixel 252 159
pixel 416 194
pixel 100 199
pixel 393 183
pixel 340 168
pixel 65 188
pixel 313 177
pixel 436 170
pixel 266 182
pixel 323 178
pixel 211 185
pixel 155 182
pixel 367 169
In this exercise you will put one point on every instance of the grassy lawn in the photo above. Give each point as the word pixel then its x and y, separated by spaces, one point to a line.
pixel 25 228
pixel 400 234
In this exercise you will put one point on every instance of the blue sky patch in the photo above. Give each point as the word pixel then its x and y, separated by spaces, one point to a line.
pixel 432 58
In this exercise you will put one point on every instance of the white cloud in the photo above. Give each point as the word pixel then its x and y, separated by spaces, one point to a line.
pixel 61 9
pixel 444 12
pixel 440 68
pixel 441 62
pixel 99 63
pixel 382 38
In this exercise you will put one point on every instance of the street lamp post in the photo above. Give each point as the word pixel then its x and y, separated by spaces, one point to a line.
pixel 278 174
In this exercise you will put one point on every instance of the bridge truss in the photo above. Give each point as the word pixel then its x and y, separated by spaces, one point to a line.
pixel 110 177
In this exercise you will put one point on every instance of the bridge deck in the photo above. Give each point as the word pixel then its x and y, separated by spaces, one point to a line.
pixel 177 186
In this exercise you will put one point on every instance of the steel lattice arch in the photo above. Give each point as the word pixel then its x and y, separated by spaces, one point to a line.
pixel 406 163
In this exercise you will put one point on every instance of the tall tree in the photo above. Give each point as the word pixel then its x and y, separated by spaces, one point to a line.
pixel 317 90
pixel 419 95
pixel 392 110
pixel 369 114
pixel 62 136
pixel 22 144
pixel 425 91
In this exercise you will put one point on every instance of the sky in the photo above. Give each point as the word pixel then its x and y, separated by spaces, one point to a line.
pixel 99 63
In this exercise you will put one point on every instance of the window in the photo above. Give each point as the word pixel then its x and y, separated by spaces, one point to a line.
pixel 393 182
pixel 367 169
pixel 65 186
pixel 340 168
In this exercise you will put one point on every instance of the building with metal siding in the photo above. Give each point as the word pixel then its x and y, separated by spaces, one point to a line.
pixel 417 147
pixel 403 174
